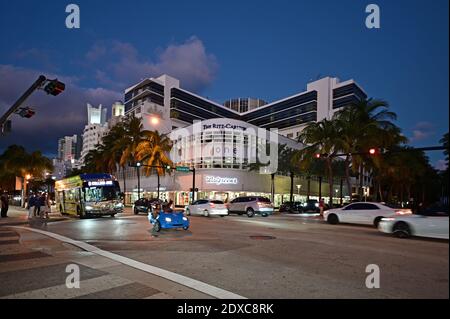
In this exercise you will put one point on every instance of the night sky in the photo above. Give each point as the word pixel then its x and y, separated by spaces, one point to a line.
pixel 223 49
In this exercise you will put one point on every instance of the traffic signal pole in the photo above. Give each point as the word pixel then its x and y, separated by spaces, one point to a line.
pixel 37 84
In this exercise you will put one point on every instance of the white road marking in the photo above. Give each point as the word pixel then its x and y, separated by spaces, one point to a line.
pixel 179 279
pixel 87 286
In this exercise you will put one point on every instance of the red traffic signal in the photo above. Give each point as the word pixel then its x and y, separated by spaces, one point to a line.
pixel 318 155
pixel 373 151
pixel 54 87
pixel 26 112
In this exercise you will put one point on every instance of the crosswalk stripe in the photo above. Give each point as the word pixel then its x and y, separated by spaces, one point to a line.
pixel 177 278
pixel 87 286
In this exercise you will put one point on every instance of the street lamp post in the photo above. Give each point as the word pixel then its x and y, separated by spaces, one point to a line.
pixel 138 167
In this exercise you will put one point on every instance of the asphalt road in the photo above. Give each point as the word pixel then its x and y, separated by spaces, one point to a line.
pixel 275 257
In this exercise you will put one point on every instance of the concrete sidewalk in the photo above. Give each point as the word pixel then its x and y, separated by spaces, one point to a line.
pixel 19 216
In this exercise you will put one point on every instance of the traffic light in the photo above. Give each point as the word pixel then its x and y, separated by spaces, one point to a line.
pixel 373 151
pixel 54 87
pixel 26 112
pixel 318 155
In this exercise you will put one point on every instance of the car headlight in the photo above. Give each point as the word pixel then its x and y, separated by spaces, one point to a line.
pixel 168 219
pixel 89 207
pixel 185 218
pixel 317 205
pixel 389 219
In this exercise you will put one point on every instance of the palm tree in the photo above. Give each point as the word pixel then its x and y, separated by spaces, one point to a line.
pixel 363 125
pixel 18 162
pixel 153 151
pixel 321 138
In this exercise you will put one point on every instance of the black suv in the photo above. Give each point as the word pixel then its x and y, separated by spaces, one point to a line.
pixel 291 207
pixel 142 205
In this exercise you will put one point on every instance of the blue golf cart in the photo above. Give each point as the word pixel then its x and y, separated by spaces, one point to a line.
pixel 166 220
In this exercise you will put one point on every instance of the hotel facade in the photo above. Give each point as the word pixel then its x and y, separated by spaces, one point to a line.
pixel 224 142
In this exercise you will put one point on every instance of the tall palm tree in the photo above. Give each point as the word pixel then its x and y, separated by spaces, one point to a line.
pixel 363 125
pixel 322 138
pixel 153 150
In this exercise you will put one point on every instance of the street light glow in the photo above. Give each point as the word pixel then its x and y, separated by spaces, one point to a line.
pixel 154 120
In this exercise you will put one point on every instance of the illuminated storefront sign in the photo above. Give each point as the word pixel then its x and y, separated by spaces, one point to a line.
pixel 217 180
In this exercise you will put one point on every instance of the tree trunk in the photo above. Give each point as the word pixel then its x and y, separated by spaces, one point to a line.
pixel 380 191
pixel 124 180
pixel 308 190
pixel 347 177
pixel 273 188
pixel 361 182
pixel 330 181
pixel 292 188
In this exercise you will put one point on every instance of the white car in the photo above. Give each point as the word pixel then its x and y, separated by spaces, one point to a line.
pixel 364 213
pixel 206 207
pixel 431 223
pixel 251 205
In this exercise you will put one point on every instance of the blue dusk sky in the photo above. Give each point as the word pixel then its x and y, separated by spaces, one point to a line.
pixel 224 49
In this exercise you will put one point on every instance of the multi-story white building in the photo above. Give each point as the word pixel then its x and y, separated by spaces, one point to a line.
pixel 69 148
pixel 95 129
pixel 117 113
pixel 225 130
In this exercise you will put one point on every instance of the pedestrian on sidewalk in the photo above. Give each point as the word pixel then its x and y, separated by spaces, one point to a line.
pixel 31 205
pixel 4 204
pixel 44 202
pixel 321 206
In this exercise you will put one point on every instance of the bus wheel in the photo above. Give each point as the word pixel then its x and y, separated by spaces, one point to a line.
pixel 80 213
pixel 113 215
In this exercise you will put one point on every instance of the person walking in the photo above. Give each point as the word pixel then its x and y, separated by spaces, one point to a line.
pixel 31 204
pixel 43 206
pixel 321 206
pixel 4 205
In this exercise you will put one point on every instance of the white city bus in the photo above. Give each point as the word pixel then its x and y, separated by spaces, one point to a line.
pixel 89 195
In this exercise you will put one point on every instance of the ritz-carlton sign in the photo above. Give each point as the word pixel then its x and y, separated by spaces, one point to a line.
pixel 227 126
pixel 218 180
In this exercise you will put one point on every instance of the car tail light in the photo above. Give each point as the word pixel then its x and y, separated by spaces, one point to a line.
pixel 403 211
pixel 212 205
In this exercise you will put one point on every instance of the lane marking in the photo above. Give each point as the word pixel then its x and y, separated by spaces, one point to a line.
pixel 177 278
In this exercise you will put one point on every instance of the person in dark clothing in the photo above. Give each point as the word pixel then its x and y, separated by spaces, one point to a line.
pixel 4 204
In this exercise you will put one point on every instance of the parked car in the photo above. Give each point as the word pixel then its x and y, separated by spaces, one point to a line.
pixel 251 205
pixel 291 207
pixel 311 206
pixel 142 205
pixel 365 213
pixel 206 207
pixel 431 222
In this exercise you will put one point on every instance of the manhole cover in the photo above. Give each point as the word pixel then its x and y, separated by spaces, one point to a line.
pixel 262 237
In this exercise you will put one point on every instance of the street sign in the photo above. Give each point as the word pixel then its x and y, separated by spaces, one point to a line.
pixel 183 169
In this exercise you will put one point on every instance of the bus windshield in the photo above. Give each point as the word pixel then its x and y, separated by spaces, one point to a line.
pixel 101 193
